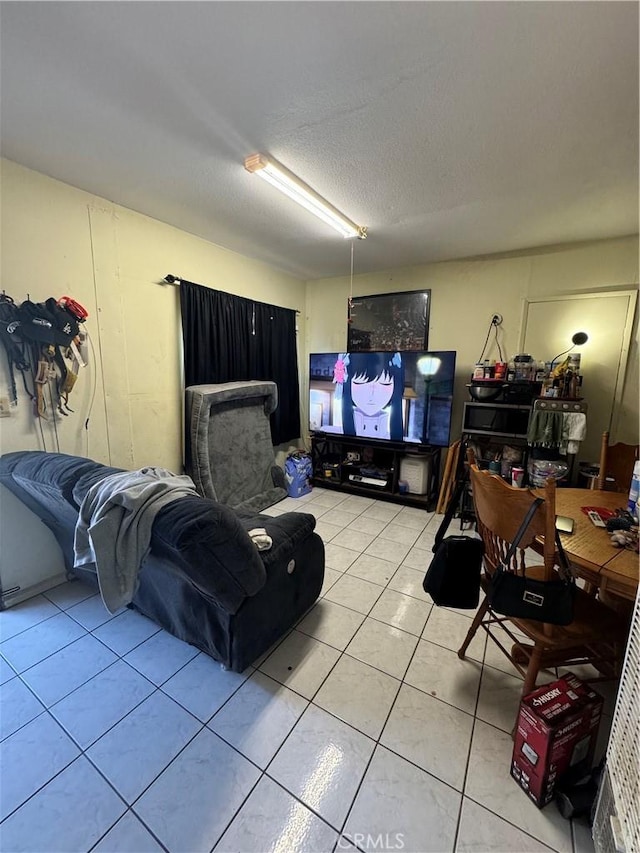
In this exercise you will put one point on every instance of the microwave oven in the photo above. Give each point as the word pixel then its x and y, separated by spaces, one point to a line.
pixel 505 419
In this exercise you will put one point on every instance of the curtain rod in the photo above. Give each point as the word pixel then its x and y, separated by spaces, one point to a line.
pixel 176 279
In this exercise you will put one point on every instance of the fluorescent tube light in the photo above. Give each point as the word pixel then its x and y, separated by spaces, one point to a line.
pixel 285 181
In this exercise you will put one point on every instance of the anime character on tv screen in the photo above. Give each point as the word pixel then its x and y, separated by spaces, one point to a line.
pixel 372 386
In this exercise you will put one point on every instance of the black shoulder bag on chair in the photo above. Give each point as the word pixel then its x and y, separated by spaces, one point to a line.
pixel 511 594
pixel 453 577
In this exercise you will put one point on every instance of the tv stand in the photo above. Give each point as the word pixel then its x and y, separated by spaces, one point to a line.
pixel 372 468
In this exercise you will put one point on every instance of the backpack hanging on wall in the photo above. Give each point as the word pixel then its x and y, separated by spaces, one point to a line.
pixel 51 327
pixel 14 344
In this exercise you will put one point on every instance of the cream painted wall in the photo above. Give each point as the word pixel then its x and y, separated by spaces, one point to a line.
pixel 465 295
pixel 60 240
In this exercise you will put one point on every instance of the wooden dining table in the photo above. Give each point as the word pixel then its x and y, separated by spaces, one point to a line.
pixel 613 570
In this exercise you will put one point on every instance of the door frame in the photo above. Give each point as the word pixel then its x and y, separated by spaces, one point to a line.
pixel 632 298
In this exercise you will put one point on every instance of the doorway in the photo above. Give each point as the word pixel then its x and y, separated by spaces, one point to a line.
pixel 607 317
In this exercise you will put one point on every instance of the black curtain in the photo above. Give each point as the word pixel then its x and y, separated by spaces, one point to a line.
pixel 230 339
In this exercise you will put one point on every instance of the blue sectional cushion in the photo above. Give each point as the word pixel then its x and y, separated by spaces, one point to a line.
pixel 56 473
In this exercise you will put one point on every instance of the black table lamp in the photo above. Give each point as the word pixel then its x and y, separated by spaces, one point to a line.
pixel 576 341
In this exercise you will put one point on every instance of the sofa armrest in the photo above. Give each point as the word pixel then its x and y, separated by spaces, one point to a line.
pixel 208 542
pixel 286 531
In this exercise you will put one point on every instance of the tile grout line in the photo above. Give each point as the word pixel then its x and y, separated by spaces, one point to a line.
pixel 309 703
pixel 474 717
pixel 351 725
pixel 514 825
pixel 466 768
pixel 136 817
pixel 477 719
pixel 83 754
pixel 137 705
pixel 83 750
pixel 66 645
pixel 264 772
pixel 343 653
pixel 368 614
pixel 90 632
pixel 377 744
pixel 57 773
pixel 384 672
pixel 35 624
pixel 78 686
pixel 239 809
pixel 20 727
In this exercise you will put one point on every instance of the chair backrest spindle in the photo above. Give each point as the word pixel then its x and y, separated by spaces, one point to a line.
pixel 500 509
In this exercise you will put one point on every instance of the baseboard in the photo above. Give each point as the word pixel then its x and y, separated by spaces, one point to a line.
pixel 20 595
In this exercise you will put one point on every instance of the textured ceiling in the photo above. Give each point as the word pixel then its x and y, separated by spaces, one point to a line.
pixel 451 129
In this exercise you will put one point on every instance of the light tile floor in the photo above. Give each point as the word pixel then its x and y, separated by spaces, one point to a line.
pixel 361 723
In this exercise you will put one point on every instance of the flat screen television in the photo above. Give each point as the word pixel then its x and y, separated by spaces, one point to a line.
pixel 388 396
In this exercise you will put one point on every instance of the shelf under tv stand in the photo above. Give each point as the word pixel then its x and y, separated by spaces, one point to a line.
pixel 333 470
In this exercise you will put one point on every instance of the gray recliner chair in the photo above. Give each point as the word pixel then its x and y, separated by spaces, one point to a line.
pixel 229 454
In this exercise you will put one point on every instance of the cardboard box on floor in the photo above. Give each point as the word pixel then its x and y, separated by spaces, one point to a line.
pixel 555 736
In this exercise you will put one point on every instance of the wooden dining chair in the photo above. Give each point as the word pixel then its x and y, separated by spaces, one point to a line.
pixel 596 634
pixel 616 465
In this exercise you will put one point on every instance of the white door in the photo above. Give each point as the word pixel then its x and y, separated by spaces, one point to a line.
pixel 606 317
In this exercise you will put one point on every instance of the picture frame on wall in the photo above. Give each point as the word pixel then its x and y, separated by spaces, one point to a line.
pixel 389 321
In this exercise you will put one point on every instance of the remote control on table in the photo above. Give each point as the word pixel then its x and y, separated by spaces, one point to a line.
pixel 595 518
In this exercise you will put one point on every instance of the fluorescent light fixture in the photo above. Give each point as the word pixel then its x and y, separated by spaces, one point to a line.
pixel 285 181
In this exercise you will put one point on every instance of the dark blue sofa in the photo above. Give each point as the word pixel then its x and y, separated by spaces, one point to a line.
pixel 203 580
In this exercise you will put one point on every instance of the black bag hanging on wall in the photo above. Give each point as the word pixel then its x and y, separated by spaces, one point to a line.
pixel 453 577
pixel 521 597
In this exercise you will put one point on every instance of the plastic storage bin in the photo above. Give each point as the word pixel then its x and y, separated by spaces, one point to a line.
pixel 416 471
pixel 298 471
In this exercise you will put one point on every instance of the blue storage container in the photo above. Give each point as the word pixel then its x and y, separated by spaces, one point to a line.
pixel 298 471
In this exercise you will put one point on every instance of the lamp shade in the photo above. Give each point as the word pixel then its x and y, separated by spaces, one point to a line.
pixel 428 366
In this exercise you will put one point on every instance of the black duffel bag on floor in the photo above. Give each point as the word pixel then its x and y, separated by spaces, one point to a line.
pixel 453 577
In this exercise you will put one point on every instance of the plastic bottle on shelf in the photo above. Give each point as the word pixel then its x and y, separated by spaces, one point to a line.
pixel 540 372
pixel 511 371
pixel 525 367
pixel 567 379
pixel 573 386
